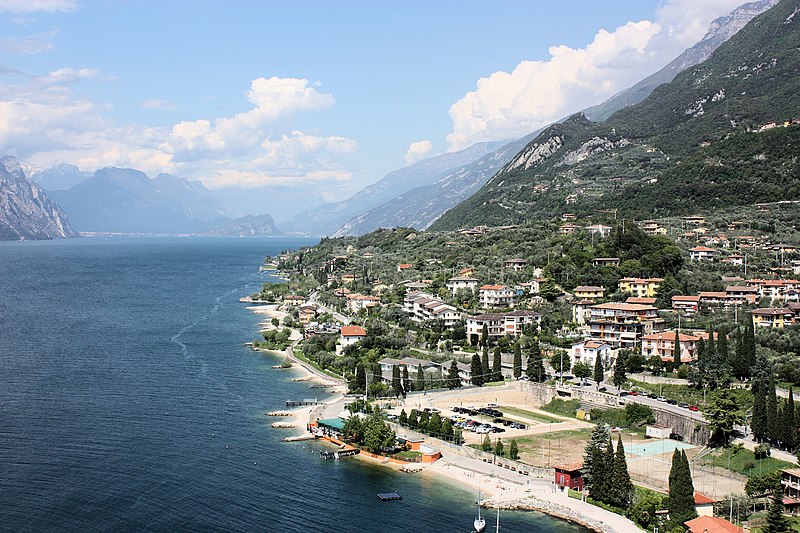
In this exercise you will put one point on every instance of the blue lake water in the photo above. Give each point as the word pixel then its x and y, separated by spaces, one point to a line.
pixel 128 402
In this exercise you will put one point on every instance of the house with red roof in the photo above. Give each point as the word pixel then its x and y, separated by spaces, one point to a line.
pixel 712 524
pixel 349 335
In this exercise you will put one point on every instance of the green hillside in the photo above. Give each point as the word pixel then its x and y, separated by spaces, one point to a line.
pixel 689 145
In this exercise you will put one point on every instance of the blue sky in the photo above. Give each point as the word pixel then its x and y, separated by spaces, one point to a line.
pixel 329 94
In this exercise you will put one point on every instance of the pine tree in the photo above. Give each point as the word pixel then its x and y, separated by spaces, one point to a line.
pixel 535 370
pixel 497 366
pixel 593 465
pixel 620 485
pixel 475 370
pixel 486 371
pixel 681 490
pixel 420 381
pixel 608 468
pixel 403 419
pixel 413 421
pixel 453 378
pixel 486 445
pixel 517 361
pixel 599 375
pixel 498 448
pixel 776 521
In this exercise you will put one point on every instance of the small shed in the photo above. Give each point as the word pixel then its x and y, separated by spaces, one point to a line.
pixel 657 431
pixel 569 475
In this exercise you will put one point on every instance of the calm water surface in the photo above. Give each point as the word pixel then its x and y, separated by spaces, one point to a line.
pixel 128 402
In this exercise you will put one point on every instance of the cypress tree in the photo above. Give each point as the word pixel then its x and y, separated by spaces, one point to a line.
pixel 517 361
pixel 593 465
pixel 485 335
pixel 722 346
pixel 787 422
pixel 620 486
pixel 361 378
pixel 681 490
pixel 420 381
pixel 413 422
pixel 598 371
pixel 676 350
pixel 619 377
pixel 758 423
pixel 513 450
pixel 608 468
pixel 773 422
pixel 497 367
pixel 486 371
pixel 475 370
pixel 397 387
pixel 711 345
pixel 406 381
pixel 535 369
pixel 453 378
pixel 403 419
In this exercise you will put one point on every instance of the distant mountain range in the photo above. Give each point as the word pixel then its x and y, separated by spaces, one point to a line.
pixel 247 226
pixel 26 213
pixel 639 159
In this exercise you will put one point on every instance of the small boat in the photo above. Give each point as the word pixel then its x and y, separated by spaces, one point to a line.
pixel 479 524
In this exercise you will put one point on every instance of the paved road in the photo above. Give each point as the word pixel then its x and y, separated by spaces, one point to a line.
pixel 323 309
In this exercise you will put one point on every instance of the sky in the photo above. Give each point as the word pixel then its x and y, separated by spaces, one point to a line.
pixel 324 94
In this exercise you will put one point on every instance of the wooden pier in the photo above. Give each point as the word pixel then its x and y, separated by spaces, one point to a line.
pixel 302 403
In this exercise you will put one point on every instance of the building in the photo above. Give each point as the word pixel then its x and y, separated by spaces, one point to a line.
pixel 711 524
pixel 622 325
pixel 587 353
pixel 777 290
pixel 589 292
pixel 568 229
pixel 772 317
pixel 642 287
pixel 790 479
pixel 458 283
pixel 599 229
pixel 606 261
pixel 496 296
pixel 500 324
pixel 694 220
pixel 515 264
pixel 292 300
pixel 742 294
pixel 663 345
pixel 687 304
pixel 569 476
pixel 349 335
pixel 702 253
pixel 356 302
pixel 306 314
pixel 657 431
pixel 581 310
pixel 402 267
pixel 424 307
pixel 703 505
pixel 644 300
pixel 734 259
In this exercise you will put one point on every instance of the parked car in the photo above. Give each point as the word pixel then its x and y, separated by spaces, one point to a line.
pixel 496 429
pixel 694 408
pixel 661 399
pixel 672 402
pixel 633 393
pixel 602 389
pixel 684 405
pixel 652 395
pixel 624 393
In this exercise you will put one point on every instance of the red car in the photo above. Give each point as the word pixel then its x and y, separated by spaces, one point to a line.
pixel 694 408
pixel 633 393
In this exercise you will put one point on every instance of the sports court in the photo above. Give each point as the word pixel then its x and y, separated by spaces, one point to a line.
pixel 657 447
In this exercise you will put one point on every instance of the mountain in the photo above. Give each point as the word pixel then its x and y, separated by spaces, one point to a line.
pixel 719 31
pixel 127 201
pixel 280 201
pixel 420 207
pixel 25 210
pixel 579 166
pixel 247 226
pixel 325 219
pixel 59 177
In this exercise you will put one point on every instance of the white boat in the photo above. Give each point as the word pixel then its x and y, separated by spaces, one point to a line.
pixel 479 524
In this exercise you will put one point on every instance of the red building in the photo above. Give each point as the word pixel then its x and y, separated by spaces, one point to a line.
pixel 569 475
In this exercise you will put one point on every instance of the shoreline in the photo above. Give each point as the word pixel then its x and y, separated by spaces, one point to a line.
pixel 536 495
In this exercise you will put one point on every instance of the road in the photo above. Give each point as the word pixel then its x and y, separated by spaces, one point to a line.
pixel 323 309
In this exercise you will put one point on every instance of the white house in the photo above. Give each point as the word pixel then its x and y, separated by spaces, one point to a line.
pixel 462 282
pixel 350 335
pixel 587 352
pixel 496 296
pixel 702 253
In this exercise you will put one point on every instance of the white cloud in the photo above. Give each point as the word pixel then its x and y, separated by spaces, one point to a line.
pixel 31 44
pixel 158 104
pixel 43 122
pixel 417 150
pixel 536 93
pixel 29 6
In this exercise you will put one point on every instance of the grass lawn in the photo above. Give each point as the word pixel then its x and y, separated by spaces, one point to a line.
pixel 562 407
pixel 692 396
pixel 514 411
pixel 744 462
pixel 792 521
pixel 408 455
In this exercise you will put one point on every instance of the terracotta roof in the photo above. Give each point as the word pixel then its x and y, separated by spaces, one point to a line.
pixel 594 344
pixel 589 288
pixel 701 499
pixel 669 336
pixel 569 467
pixel 620 306
pixel 701 249
pixel 712 524
pixel 772 311
pixel 493 287
pixel 682 298
pixel 353 331
pixel 640 300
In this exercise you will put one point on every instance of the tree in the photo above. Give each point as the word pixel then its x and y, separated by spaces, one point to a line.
pixel 582 371
pixel 476 370
pixel 377 434
pixel 513 450
pixel 619 377
pixel 498 448
pixel 435 424
pixel 413 422
pixel 620 486
pixel 397 386
pixel 361 378
pixel 453 377
pixel 593 459
pixel 681 490
pixel 773 423
pixel 535 370
pixel 447 429
pixel 403 419
pixel 776 521
pixel 517 361
pixel 497 370
pixel 420 381
pixel 676 350
pixel 599 375
pixel 406 381
pixel 486 445
pixel 486 371
pixel 485 335
pixel 723 415
pixel 787 424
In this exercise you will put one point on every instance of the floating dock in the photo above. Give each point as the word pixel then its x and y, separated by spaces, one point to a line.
pixel 389 496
